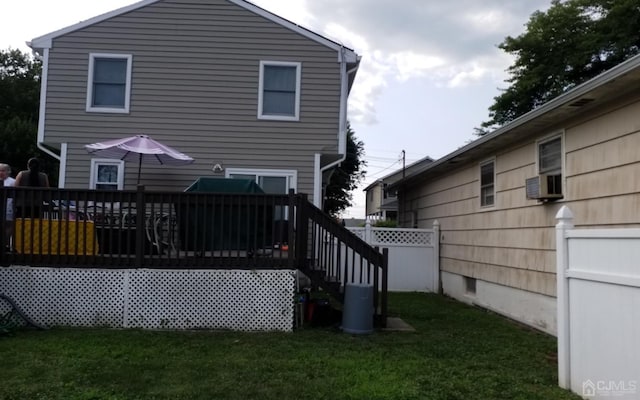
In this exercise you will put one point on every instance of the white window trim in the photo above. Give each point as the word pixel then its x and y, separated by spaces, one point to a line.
pixel 291 174
pixel 127 94
pixel 106 161
pixel 563 158
pixel 495 197
pixel 548 139
pixel 296 116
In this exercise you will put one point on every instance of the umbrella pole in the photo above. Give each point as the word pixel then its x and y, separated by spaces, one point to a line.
pixel 139 167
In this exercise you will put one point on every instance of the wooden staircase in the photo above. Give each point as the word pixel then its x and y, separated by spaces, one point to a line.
pixel 333 256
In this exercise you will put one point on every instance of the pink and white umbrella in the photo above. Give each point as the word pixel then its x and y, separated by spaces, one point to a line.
pixel 139 148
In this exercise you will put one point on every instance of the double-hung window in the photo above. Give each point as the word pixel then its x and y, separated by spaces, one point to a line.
pixel 279 90
pixel 107 174
pixel 550 156
pixel 487 183
pixel 109 83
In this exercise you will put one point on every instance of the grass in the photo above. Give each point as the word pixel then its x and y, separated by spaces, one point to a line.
pixel 457 352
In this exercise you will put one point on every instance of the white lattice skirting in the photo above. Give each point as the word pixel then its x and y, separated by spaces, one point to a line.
pixel 246 300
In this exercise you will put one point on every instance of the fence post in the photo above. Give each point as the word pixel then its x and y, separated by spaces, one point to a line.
pixel 565 223
pixel 436 257
pixel 367 231
pixel 140 226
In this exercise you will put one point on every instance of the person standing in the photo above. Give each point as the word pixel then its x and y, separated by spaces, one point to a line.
pixel 31 177
pixel 8 181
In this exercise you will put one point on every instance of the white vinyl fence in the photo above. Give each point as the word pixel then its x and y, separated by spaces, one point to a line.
pixel 413 255
pixel 598 310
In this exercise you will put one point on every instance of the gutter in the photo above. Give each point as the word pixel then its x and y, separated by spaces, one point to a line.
pixel 342 127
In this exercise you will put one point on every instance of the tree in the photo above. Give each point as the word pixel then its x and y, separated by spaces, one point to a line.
pixel 572 42
pixel 346 177
pixel 19 107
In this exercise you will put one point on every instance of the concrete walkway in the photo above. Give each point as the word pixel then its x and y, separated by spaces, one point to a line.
pixel 398 325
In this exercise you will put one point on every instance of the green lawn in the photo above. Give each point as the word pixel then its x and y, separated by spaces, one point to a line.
pixel 457 352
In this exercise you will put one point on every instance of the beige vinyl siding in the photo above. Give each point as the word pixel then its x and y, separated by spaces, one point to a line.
pixel 195 87
pixel 513 244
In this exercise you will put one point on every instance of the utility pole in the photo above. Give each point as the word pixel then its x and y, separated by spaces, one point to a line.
pixel 403 163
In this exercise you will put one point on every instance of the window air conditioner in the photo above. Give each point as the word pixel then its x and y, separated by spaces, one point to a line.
pixel 544 187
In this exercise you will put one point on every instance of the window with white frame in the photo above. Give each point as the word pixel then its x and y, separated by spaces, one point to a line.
pixel 107 174
pixel 487 183
pixel 109 83
pixel 550 156
pixel 279 90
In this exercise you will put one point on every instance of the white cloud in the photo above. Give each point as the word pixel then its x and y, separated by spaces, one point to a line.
pixel 409 64
pixel 371 80
pixel 490 22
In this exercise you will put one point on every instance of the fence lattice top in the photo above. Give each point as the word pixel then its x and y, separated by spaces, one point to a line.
pixel 396 236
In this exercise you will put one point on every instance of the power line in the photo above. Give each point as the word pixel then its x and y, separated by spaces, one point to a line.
pixel 383 170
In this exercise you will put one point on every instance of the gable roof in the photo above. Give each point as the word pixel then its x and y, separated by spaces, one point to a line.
pixel 344 53
pixel 588 96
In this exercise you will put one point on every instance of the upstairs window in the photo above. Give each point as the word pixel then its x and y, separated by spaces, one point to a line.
pixel 109 83
pixel 550 156
pixel 107 174
pixel 279 90
pixel 388 194
pixel 487 183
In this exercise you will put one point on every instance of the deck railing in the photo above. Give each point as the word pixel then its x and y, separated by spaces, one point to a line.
pixel 152 229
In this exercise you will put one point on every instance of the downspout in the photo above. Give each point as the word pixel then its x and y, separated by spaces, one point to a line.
pixel 342 124
pixel 43 106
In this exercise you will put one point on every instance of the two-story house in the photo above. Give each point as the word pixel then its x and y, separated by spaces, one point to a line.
pixel 224 81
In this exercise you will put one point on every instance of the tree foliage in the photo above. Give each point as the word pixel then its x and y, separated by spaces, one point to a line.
pixel 570 43
pixel 19 103
pixel 346 177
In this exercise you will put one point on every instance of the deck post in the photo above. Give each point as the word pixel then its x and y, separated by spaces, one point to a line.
pixel 140 226
pixel 302 230
pixel 293 243
pixel 3 220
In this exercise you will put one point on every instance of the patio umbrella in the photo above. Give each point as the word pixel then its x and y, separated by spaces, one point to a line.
pixel 139 148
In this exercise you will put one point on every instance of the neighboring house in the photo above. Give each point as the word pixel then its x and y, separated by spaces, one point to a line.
pixel 244 92
pixel 496 198
pixel 381 203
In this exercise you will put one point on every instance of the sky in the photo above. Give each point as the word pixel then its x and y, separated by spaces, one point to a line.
pixel 429 71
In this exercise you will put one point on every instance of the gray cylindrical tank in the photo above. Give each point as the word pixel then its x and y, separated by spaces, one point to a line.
pixel 357 314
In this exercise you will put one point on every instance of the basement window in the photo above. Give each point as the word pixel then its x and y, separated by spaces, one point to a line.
pixel 470 285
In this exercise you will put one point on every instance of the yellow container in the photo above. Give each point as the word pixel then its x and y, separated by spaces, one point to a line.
pixel 61 237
